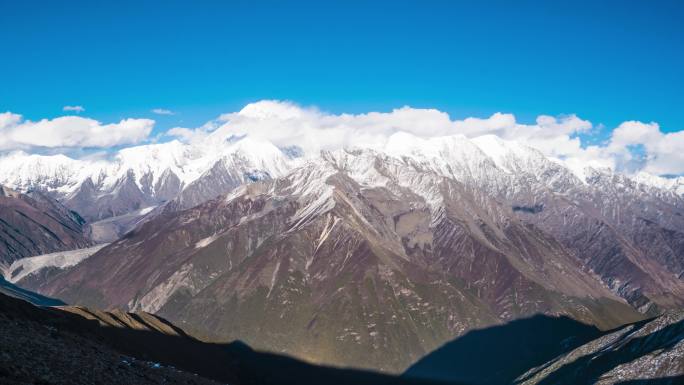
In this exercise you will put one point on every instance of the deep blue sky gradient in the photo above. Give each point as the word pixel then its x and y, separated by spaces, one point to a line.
pixel 607 61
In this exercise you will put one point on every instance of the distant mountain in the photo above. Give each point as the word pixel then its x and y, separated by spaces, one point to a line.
pixel 32 224
pixel 77 345
pixel 145 176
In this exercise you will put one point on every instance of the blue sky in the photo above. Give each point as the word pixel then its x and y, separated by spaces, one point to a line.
pixel 606 61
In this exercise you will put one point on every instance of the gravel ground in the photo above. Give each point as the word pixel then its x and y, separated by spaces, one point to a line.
pixel 36 353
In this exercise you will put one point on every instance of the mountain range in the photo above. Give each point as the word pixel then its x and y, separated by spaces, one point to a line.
pixel 363 257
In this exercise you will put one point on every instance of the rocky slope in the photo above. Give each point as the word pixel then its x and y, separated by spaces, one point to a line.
pixel 647 352
pixel 50 346
pixel 357 259
pixel 548 350
pixel 32 224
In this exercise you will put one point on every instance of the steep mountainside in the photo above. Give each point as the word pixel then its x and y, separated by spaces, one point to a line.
pixel 32 224
pixel 357 259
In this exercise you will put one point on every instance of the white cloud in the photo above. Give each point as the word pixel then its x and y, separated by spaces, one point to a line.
pixel 287 124
pixel 632 146
pixel 70 131
pixel 76 109
pixel 185 134
pixel 163 111
pixel 663 153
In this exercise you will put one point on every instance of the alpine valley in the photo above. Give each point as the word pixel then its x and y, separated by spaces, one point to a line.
pixel 369 257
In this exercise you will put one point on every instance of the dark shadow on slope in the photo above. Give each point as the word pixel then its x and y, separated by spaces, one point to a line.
pixel 34 298
pixel 655 381
pixel 500 354
pixel 587 369
pixel 233 363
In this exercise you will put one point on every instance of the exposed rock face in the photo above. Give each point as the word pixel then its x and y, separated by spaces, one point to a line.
pixel 360 259
pixel 125 197
pixel 32 224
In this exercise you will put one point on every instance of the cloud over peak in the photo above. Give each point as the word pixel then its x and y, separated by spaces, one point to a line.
pixel 631 147
pixel 288 124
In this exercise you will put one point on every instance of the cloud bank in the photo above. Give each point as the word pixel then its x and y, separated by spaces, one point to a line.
pixel 632 147
pixel 69 131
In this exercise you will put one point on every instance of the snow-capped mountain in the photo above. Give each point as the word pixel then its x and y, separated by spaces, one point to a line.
pixel 143 176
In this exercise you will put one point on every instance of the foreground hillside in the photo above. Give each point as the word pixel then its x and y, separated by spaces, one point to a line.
pixel 76 345
pixel 50 346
